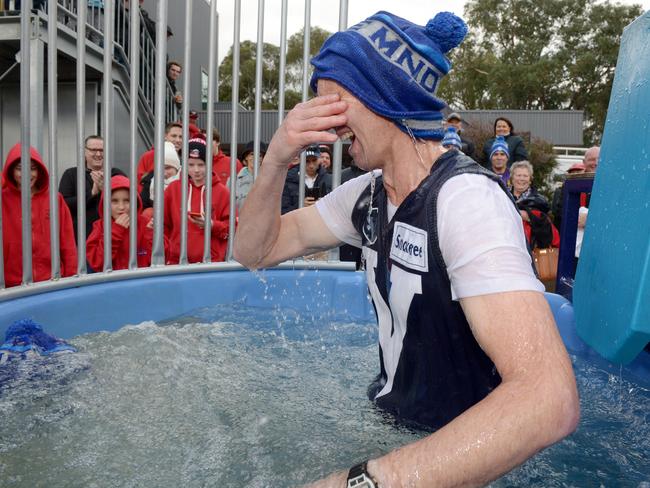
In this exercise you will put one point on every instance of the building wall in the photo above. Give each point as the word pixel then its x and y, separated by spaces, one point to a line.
pixel 560 127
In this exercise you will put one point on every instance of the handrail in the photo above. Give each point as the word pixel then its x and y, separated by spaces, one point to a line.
pixel 67 15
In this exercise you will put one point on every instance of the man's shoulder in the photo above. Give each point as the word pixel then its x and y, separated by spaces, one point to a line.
pixel 293 175
pixel 147 154
pixel 72 170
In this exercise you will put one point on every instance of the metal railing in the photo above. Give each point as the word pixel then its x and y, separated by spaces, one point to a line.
pixel 94 11
pixel 148 62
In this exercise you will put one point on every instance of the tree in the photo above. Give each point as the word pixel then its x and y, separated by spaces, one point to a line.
pixel 247 62
pixel 539 54
pixel 270 71
pixel 317 36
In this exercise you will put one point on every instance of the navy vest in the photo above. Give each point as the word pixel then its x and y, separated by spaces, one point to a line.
pixel 432 368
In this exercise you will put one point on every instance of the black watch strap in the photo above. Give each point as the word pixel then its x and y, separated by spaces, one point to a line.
pixel 358 476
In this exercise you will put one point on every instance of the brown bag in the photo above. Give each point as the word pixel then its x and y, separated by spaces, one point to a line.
pixel 546 262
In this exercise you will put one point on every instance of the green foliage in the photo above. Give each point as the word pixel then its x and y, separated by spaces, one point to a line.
pixel 539 54
pixel 270 71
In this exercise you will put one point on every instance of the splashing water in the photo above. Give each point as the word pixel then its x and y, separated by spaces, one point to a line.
pixel 235 396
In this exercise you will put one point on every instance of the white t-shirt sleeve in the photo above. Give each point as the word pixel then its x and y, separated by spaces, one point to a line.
pixel 482 240
pixel 480 234
pixel 336 209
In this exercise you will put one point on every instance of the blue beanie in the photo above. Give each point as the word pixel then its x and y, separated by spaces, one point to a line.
pixel 394 67
pixel 499 144
pixel 452 138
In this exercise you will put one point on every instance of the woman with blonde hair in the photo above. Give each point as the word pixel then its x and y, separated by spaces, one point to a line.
pixel 533 207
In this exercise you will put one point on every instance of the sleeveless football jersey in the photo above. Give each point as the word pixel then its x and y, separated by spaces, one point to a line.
pixel 432 368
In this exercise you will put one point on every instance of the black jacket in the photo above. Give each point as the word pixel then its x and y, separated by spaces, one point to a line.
pixel 290 193
pixel 68 188
pixel 467 146
pixel 351 172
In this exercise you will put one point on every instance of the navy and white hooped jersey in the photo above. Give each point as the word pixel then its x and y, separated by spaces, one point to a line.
pixel 432 368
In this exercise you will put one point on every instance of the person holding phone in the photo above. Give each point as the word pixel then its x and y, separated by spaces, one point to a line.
pixel 318 182
pixel 198 210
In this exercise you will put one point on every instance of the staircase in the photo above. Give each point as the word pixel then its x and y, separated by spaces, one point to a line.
pixel 67 27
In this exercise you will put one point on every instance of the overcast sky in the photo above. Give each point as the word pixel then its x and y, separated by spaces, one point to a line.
pixel 325 14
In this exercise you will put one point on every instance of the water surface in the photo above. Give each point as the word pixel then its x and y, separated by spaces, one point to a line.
pixel 233 397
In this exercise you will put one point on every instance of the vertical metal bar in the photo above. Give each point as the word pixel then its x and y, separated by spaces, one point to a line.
pixel 158 253
pixel 81 129
pixel 207 236
pixel 25 138
pixel 189 9
pixel 52 83
pixel 234 120
pixel 305 89
pixel 216 90
pixel 283 62
pixel 337 157
pixel 258 93
pixel 107 108
pixel 37 88
pixel 134 55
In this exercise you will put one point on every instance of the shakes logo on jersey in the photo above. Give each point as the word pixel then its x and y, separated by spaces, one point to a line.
pixel 410 247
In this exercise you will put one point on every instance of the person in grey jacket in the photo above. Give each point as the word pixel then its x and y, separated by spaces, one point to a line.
pixel 244 180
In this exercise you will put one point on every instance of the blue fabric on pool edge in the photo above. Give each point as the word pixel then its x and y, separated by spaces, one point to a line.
pixel 25 338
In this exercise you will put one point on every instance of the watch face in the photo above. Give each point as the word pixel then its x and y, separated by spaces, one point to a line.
pixel 361 481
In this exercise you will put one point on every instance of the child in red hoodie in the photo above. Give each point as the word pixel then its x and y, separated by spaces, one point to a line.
pixel 198 210
pixel 12 238
pixel 120 222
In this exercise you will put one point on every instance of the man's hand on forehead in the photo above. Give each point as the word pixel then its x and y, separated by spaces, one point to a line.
pixel 307 123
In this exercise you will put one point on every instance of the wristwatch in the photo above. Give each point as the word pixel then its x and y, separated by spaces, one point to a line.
pixel 358 477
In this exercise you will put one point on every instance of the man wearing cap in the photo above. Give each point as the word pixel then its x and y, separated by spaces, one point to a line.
pixel 318 182
pixel 468 344
pixel 455 120
pixel 199 210
pixel 325 158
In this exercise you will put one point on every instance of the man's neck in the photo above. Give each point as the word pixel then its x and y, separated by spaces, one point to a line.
pixel 499 171
pixel 407 167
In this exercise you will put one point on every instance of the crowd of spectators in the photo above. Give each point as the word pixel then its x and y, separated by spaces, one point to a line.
pixel 505 154
pixel 199 210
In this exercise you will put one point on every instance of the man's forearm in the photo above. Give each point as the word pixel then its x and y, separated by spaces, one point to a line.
pixel 497 434
pixel 259 219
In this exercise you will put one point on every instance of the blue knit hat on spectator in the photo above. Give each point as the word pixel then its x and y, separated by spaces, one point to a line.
pixel 451 138
pixel 196 149
pixel 394 67
pixel 499 144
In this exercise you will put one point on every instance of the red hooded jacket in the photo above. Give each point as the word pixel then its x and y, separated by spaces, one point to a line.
pixel 120 236
pixel 220 221
pixel 12 239
pixel 145 165
pixel 221 165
